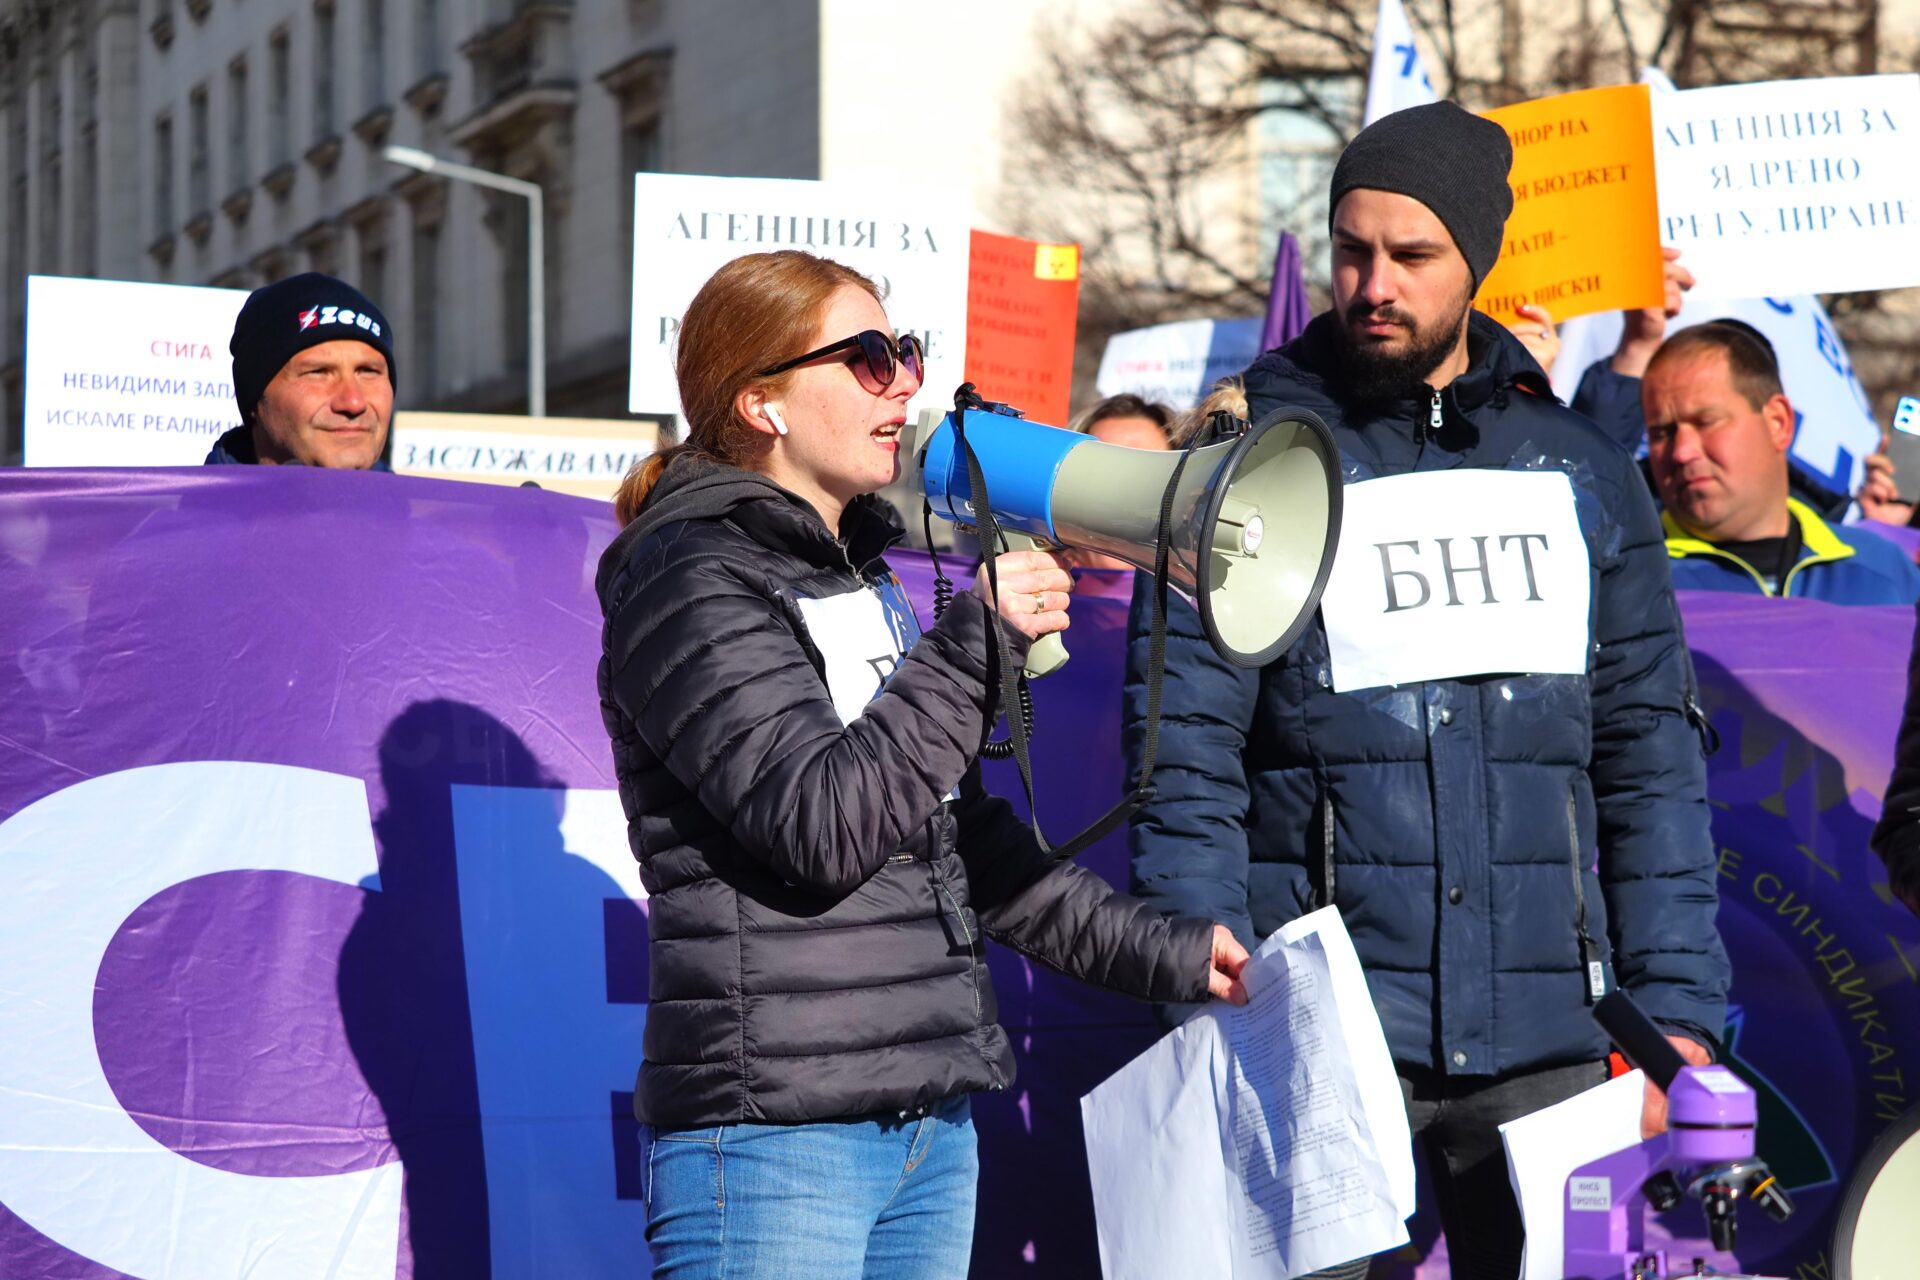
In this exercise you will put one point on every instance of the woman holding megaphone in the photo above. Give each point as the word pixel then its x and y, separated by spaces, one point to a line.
pixel 797 764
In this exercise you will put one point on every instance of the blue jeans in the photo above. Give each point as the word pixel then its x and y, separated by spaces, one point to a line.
pixel 872 1198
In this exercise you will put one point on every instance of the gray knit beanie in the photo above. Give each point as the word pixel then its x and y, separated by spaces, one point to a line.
pixel 1447 158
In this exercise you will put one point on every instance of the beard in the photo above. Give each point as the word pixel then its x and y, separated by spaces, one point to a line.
pixel 1376 373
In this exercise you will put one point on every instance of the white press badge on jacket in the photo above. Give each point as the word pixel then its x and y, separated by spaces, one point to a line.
pixel 861 636
pixel 1442 574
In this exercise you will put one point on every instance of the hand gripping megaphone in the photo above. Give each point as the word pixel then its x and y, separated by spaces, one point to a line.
pixel 1250 523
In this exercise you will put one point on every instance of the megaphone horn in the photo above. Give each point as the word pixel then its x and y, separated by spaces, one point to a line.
pixel 1254 519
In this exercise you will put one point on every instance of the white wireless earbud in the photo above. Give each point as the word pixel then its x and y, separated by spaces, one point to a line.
pixel 773 416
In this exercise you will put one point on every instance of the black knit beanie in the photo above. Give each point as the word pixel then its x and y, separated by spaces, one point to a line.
pixel 278 321
pixel 1447 158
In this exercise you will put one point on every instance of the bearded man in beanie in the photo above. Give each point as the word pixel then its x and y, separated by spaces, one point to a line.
pixel 1485 750
pixel 313 372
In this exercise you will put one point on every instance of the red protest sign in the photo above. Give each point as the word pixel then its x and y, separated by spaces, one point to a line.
pixel 1022 302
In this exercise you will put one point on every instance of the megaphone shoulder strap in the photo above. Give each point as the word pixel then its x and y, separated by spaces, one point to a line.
pixel 1156 669
pixel 1014 698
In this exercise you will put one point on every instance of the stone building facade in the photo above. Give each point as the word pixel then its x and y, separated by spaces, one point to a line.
pixel 234 142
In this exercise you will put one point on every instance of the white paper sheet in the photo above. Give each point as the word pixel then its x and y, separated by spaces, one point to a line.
pixel 1366 1047
pixel 1243 1144
pixel 1547 1146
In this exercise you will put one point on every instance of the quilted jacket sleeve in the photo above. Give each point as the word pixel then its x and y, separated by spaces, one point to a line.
pixel 1896 838
pixel 710 669
pixel 1068 918
pixel 1189 843
pixel 1657 865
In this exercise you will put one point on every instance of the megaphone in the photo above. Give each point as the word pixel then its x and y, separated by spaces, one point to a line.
pixel 1253 519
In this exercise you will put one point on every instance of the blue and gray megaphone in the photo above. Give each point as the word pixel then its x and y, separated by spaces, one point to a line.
pixel 1252 524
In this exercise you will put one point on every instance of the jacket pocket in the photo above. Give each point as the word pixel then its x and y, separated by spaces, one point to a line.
pixel 949 899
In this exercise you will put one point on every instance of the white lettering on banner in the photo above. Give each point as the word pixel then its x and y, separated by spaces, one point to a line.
pixel 1457 573
pixel 538 872
pixel 858 646
pixel 66 886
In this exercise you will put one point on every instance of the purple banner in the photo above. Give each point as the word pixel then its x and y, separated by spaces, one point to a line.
pixel 320 946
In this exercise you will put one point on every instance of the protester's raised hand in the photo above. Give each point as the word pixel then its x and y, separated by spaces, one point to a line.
pixel 1538 335
pixel 1879 496
pixel 1223 973
pixel 1646 328
pixel 1035 587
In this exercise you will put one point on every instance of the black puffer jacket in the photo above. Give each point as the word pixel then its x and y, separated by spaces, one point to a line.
pixel 814 884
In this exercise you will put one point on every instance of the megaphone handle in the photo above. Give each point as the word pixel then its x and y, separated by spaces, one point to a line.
pixel 1049 653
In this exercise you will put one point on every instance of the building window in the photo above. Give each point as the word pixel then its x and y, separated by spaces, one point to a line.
pixel 163 211
pixel 426 37
pixel 199 179
pixel 425 364
pixel 279 91
pixel 323 42
pixel 239 172
pixel 373 52
pixel 639 153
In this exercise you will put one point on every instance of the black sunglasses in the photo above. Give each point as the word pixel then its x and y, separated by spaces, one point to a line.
pixel 875 361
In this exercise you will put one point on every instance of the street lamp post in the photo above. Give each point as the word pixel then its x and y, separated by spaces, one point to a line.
pixel 427 162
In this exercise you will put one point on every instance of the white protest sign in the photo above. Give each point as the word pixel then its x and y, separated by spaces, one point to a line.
pixel 1834 427
pixel 1178 363
pixel 587 457
pixel 912 243
pixel 1396 79
pixel 1457 573
pixel 121 374
pixel 1792 186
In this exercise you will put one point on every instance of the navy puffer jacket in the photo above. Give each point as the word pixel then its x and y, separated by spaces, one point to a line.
pixel 1455 822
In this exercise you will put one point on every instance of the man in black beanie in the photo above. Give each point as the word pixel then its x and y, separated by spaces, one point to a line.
pixel 313 372
pixel 1511 827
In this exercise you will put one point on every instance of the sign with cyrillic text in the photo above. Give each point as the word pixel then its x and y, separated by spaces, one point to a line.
pixel 1176 364
pixel 1457 573
pixel 122 374
pixel 1584 234
pixel 1792 186
pixel 587 457
pixel 1023 301
pixel 913 244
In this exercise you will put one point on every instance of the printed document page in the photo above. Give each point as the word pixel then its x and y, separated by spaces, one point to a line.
pixel 1241 1145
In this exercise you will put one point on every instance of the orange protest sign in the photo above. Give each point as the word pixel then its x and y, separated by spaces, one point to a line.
pixel 1023 301
pixel 1584 235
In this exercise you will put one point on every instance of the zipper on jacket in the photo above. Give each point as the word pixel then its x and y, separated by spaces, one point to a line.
pixel 1591 965
pixel 1433 420
pixel 973 958
pixel 1326 845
